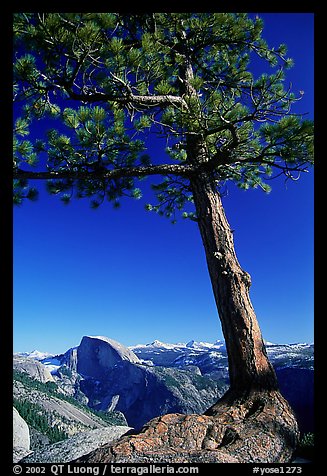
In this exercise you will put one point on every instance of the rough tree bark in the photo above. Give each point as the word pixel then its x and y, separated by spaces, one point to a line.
pixel 249 366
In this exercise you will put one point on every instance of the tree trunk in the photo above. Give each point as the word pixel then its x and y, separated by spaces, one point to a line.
pixel 249 367
pixel 252 422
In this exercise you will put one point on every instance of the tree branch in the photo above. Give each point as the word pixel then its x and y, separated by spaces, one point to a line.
pixel 164 169
pixel 129 99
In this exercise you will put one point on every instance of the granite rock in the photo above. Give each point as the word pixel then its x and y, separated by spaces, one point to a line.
pixel 33 368
pixel 96 355
pixel 21 437
pixel 76 446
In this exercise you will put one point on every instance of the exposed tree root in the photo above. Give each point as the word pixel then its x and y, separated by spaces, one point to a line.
pixel 258 427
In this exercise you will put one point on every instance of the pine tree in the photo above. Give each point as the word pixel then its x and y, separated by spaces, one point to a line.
pixel 112 81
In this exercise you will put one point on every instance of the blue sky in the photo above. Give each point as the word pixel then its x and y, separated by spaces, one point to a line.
pixel 133 276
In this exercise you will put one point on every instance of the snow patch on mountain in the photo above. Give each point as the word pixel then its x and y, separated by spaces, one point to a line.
pixel 35 354
pixel 52 364
pixel 157 345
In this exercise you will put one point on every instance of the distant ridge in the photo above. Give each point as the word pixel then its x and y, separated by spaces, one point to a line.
pixel 159 346
pixel 146 380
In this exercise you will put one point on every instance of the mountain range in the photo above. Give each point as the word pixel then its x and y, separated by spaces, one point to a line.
pixel 101 383
pixel 210 357
pixel 207 356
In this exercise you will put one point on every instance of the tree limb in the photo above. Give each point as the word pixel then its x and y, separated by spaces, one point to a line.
pixel 164 169
pixel 129 99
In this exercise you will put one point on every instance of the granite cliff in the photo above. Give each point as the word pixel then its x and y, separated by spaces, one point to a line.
pixel 112 378
pixel 96 355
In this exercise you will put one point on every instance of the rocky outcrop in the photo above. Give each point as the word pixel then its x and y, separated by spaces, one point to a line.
pixel 96 355
pixel 258 427
pixel 76 446
pixel 21 437
pixel 33 368
pixel 70 359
